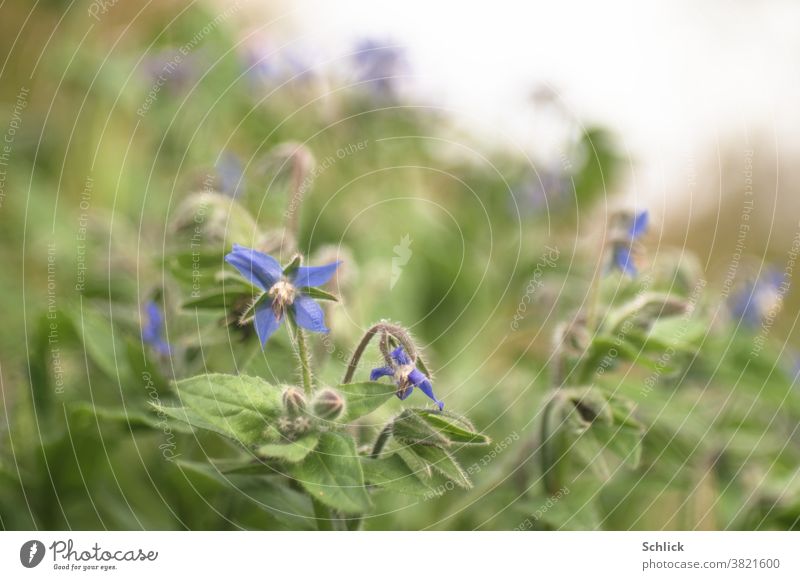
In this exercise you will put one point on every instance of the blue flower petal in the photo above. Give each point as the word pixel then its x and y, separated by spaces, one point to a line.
pixel 261 270
pixel 154 319
pixel 403 394
pixel 425 386
pixel 161 347
pixel 314 275
pixel 640 223
pixel 153 329
pixel 380 372
pixel 624 261
pixel 308 314
pixel 266 322
pixel 400 357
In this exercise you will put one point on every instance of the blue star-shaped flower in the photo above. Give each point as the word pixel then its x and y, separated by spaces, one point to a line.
pixel 406 376
pixel 153 329
pixel 622 251
pixel 282 291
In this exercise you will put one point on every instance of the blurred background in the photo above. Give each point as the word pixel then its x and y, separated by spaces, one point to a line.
pixel 463 161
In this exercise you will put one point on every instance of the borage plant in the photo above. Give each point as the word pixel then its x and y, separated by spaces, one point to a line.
pixel 312 439
pixel 589 424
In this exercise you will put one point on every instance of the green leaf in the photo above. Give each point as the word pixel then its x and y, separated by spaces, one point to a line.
pixel 222 298
pixel 443 462
pixel 332 474
pixel 292 451
pixel 188 417
pixel 292 266
pixel 184 265
pixel 455 429
pixel 392 473
pixel 409 427
pixel 318 293
pixel 100 340
pixel 554 444
pixel 237 406
pixel 134 420
pixel 363 398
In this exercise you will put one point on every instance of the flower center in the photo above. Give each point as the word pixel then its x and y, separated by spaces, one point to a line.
pixel 282 294
pixel 401 373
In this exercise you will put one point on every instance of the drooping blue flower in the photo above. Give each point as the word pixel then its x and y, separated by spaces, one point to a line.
pixel 282 292
pixel 153 329
pixel 759 299
pixel 406 375
pixel 623 248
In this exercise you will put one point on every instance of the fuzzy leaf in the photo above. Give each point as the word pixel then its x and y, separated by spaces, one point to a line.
pixel 363 398
pixel 394 474
pixel 292 451
pixel 409 427
pixel 237 406
pixel 318 293
pixel 332 474
pixel 221 298
pixel 453 428
pixel 443 462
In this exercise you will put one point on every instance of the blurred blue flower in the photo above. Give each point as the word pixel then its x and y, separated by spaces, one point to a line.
pixel 269 65
pixel 379 64
pixel 406 376
pixel 543 189
pixel 759 299
pixel 623 248
pixel 153 329
pixel 282 291
pixel 230 173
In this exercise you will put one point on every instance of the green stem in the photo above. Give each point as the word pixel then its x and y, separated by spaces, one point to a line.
pixel 303 356
pixel 380 442
pixel 594 296
pixel 322 513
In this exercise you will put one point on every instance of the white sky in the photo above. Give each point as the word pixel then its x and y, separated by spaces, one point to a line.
pixel 672 79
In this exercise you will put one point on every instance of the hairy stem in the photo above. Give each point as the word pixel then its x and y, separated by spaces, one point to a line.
pixel 380 442
pixel 386 329
pixel 303 356
pixel 322 513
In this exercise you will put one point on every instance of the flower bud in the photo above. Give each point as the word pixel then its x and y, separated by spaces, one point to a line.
pixel 211 220
pixel 328 405
pixel 294 401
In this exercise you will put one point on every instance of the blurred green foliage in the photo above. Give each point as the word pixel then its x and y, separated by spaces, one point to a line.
pixel 98 178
